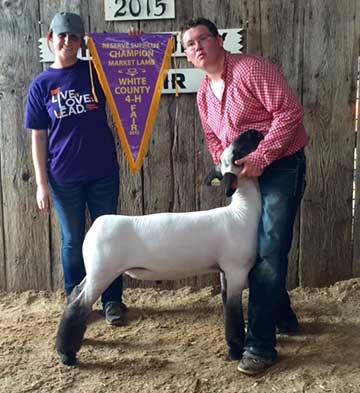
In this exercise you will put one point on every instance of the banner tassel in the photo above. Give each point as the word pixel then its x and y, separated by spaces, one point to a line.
pixel 92 82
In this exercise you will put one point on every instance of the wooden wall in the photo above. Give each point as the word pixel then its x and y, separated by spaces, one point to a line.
pixel 315 42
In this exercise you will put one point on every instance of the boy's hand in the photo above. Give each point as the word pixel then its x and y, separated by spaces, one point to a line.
pixel 249 169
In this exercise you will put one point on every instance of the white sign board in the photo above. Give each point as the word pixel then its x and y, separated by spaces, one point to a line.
pixel 188 80
pixel 139 9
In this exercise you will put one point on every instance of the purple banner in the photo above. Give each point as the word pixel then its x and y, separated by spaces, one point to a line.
pixel 132 70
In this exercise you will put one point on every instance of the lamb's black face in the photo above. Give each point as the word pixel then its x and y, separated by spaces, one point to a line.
pixel 246 143
pixel 230 181
pixel 243 145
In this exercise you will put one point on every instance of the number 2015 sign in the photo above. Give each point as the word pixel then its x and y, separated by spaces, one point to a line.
pixel 139 9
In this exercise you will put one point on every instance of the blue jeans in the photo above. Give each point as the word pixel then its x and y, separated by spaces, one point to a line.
pixel 70 201
pixel 282 186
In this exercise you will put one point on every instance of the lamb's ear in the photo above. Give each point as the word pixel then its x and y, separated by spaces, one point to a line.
pixel 246 143
pixel 230 181
pixel 213 178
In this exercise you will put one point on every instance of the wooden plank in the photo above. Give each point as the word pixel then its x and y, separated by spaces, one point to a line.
pixel 356 233
pixel 2 227
pixel 325 238
pixel 289 58
pixel 26 235
pixel 250 18
pixel 356 65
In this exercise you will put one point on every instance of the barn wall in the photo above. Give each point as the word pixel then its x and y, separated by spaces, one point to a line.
pixel 316 43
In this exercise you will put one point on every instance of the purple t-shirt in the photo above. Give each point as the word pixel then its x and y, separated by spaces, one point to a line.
pixel 80 143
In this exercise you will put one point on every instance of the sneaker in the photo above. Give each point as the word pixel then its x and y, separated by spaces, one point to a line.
pixel 115 313
pixel 252 366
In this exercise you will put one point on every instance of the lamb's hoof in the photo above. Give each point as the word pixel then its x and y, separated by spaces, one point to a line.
pixel 69 359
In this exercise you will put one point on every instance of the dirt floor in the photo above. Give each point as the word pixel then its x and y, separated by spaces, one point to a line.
pixel 174 343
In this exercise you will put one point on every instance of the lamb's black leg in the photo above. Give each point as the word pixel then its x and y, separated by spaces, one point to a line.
pixel 234 318
pixel 223 288
pixel 71 332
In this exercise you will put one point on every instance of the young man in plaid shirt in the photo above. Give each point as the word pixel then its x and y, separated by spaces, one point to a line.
pixel 242 92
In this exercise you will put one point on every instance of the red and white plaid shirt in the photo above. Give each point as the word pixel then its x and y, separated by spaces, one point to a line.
pixel 256 96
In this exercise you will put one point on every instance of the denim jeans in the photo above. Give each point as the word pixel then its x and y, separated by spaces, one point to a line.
pixel 100 196
pixel 282 186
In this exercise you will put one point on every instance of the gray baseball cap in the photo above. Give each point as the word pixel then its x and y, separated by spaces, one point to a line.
pixel 67 22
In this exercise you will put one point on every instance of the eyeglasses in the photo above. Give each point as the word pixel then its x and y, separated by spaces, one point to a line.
pixel 201 41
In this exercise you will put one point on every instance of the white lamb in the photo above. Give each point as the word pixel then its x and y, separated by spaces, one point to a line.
pixel 171 246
